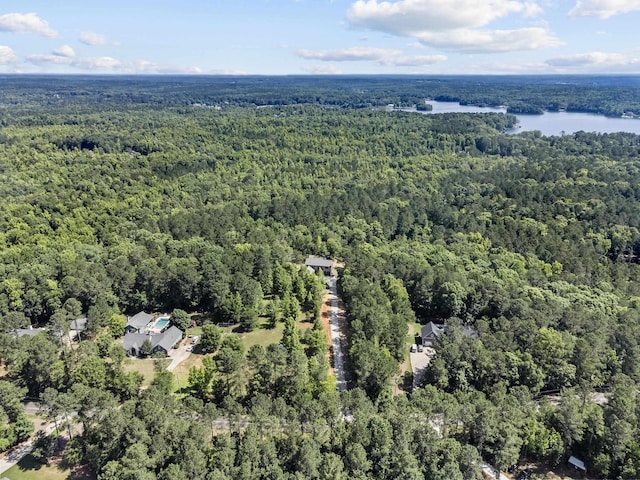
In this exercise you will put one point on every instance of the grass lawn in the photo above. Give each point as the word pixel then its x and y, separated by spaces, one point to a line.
pixel 30 469
pixel 181 373
pixel 194 331
pixel 414 328
pixel 266 336
pixel 144 366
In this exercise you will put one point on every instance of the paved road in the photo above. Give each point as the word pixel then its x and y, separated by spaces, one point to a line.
pixel 338 340
pixel 21 451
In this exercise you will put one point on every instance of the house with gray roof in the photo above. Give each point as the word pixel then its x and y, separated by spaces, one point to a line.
pixel 138 322
pixel 319 263
pixel 133 342
pixel 167 340
pixel 430 332
pixel 160 342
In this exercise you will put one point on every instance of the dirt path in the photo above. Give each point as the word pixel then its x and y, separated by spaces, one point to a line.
pixel 338 334
pixel 325 321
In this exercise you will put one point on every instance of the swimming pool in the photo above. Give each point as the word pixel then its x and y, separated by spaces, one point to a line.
pixel 160 324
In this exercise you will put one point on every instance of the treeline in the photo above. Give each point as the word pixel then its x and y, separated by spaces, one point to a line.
pixel 608 95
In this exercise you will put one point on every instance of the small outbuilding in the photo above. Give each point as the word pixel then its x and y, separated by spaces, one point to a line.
pixel 577 464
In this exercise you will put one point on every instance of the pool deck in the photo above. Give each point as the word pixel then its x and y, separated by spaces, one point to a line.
pixel 153 327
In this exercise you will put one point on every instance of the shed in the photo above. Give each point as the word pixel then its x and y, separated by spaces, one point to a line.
pixel 577 464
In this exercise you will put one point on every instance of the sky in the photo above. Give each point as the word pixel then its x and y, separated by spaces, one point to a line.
pixel 293 37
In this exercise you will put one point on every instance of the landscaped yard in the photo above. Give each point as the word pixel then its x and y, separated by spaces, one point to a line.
pixel 30 469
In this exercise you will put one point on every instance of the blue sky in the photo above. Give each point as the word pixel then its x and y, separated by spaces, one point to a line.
pixel 320 36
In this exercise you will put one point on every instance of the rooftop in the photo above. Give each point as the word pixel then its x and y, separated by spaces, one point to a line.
pixel 139 320
pixel 318 262
pixel 79 324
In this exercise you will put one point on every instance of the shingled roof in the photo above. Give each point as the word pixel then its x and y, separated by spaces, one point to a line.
pixel 318 262
pixel 139 321
pixel 165 341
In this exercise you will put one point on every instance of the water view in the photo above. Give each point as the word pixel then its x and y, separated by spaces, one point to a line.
pixel 549 123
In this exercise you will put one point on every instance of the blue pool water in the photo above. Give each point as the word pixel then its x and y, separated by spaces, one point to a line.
pixel 161 323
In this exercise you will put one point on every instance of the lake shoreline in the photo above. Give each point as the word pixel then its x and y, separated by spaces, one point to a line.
pixel 549 123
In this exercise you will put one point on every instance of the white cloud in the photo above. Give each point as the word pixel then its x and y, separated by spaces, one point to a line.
pixel 603 8
pixel 596 61
pixel 64 51
pixel 488 41
pixel 7 55
pixel 323 70
pixel 26 23
pixel 383 56
pixel 38 59
pixel 99 63
pixel 508 68
pixel 95 39
pixel 453 26
pixel 411 17
pixel 414 61
pixel 109 64
pixel 144 66
pixel 353 54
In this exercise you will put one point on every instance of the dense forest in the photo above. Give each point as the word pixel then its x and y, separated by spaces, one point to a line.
pixel 203 194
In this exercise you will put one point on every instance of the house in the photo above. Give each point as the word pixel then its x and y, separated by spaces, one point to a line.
pixel 166 340
pixel 133 342
pixel 138 322
pixel 430 332
pixel 160 343
pixel 319 263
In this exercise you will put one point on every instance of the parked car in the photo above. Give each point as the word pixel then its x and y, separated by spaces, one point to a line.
pixel 414 348
pixel 195 339
pixel 420 348
pixel 190 348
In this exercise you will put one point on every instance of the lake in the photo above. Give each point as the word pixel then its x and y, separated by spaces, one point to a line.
pixel 549 123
